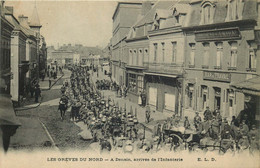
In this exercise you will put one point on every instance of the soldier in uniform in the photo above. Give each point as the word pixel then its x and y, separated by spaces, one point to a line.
pixel 244 128
pixel 207 114
pixel 243 143
pixel 254 145
pixel 186 123
pixel 147 114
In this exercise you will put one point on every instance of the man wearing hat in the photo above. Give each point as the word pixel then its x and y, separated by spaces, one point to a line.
pixel 207 114
pixel 147 114
pixel 197 120
pixel 243 143
pixel 186 123
pixel 254 145
pixel 244 128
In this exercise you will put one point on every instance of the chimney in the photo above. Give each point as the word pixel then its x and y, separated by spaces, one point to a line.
pixel 146 6
pixel 10 9
pixel 23 20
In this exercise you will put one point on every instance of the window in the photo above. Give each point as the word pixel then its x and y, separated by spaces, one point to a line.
pixel 217 102
pixel 219 55
pixel 163 52
pixel 130 57
pixel 174 51
pixel 132 82
pixel 252 57
pixel 234 10
pixel 140 83
pixel 233 55
pixel 206 55
pixel 146 54
pixel 204 95
pixel 192 54
pixel 140 57
pixel 134 57
pixel 190 95
pixel 231 101
pixel 207 13
pixel 155 51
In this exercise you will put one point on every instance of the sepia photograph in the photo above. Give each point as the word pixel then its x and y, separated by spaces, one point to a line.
pixel 131 83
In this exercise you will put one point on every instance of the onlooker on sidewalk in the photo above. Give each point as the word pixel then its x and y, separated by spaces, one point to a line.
pixel 37 93
pixel 147 114
pixel 49 82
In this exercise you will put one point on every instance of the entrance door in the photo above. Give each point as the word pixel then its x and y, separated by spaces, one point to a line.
pixel 217 102
pixel 169 100
pixel 153 96
pixel 231 113
pixel 204 101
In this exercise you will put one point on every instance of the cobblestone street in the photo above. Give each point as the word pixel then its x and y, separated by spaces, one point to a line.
pixel 37 122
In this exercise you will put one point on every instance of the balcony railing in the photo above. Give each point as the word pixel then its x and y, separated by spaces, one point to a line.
pixel 169 68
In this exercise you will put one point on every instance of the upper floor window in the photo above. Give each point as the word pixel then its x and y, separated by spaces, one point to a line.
pixel 233 55
pixel 135 59
pixel 146 54
pixel 163 51
pixel 130 57
pixel 252 56
pixel 192 54
pixel 206 55
pixel 219 54
pixel 155 51
pixel 174 51
pixel 140 57
pixel 234 9
pixel 207 13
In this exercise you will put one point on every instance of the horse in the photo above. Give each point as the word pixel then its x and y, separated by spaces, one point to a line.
pixel 62 108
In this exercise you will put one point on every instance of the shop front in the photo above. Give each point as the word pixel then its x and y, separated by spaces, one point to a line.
pixel 251 90
pixel 135 84
pixel 163 93
pixel 212 89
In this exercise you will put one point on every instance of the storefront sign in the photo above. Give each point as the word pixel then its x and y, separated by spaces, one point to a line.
pixel 217 76
pixel 221 34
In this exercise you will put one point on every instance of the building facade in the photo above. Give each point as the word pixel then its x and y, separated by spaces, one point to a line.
pixel 165 66
pixel 6 29
pixel 19 67
pixel 221 49
pixel 124 17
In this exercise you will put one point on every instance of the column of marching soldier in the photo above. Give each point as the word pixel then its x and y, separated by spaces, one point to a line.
pixel 115 128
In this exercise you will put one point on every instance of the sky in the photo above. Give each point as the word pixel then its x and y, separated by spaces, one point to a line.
pixel 81 22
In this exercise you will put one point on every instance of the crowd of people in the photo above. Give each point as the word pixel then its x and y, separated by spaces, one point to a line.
pixel 115 128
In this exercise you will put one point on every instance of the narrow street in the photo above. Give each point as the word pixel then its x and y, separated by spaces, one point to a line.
pixel 64 133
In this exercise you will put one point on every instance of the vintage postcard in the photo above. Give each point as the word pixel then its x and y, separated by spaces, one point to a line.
pixel 152 83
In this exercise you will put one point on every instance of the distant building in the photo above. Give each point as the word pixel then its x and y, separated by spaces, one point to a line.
pixel 62 57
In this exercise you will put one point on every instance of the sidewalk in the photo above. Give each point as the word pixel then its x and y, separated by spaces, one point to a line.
pixel 30 135
pixel 156 116
pixel 44 85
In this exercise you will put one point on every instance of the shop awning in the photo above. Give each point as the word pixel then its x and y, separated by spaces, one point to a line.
pixel 160 74
pixel 7 115
pixel 250 86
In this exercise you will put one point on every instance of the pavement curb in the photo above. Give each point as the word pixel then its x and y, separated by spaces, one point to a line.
pixel 49 136
pixel 28 108
pixel 53 83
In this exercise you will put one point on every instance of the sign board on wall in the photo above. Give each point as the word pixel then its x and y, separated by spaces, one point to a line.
pixel 217 76
pixel 218 34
